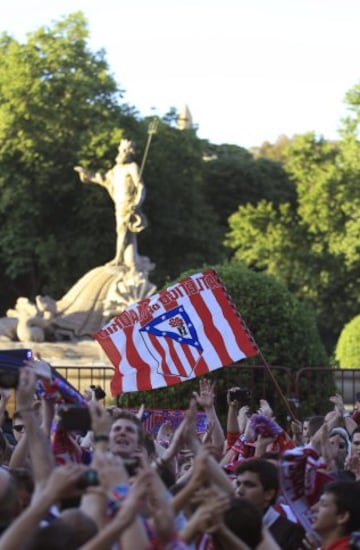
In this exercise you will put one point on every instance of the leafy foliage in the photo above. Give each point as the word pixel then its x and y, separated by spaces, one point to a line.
pixel 56 100
pixel 233 177
pixel 183 228
pixel 59 107
pixel 313 250
pixel 348 346
pixel 283 327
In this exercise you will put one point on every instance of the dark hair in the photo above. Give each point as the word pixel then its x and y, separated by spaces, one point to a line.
pixel 167 475
pixel 149 444
pixel 84 527
pixel 245 521
pixel 57 536
pixel 347 498
pixel 8 501
pixel 267 472
pixel 271 455
pixel 5 448
pixel 23 478
pixel 315 423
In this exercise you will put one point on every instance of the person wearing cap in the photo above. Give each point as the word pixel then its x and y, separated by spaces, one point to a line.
pixel 339 442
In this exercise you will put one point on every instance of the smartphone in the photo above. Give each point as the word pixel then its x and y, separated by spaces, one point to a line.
pixel 74 418
pixel 131 464
pixel 99 392
pixel 10 362
pixel 243 396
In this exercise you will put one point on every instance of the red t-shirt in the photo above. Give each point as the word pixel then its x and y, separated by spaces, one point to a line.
pixel 340 544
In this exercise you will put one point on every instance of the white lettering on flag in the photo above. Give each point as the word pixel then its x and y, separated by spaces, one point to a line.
pixel 184 331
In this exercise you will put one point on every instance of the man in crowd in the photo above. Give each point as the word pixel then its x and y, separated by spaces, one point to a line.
pixel 337 514
pixel 355 443
pixel 257 481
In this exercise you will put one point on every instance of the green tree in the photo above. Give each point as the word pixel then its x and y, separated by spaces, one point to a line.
pixel 233 177
pixel 183 227
pixel 347 351
pixel 60 107
pixel 313 250
pixel 57 102
pixel 276 151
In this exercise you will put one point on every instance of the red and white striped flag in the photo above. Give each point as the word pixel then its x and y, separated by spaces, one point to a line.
pixel 187 330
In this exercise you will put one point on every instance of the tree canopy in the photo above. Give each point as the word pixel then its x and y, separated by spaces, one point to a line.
pixel 57 100
pixel 347 352
pixel 233 177
pixel 60 107
pixel 296 202
pixel 312 248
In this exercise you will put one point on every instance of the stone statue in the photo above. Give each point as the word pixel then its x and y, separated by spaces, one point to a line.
pixel 124 185
pixel 104 291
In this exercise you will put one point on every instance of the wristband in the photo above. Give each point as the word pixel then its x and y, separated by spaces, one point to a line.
pixel 101 438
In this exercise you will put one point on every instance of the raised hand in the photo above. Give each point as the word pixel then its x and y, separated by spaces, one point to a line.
pixel 206 396
pixel 243 418
pixel 230 401
pixel 110 469
pixel 63 480
pixel 338 404
pixel 165 433
pixel 41 368
pixel 26 388
pixel 100 419
pixel 265 408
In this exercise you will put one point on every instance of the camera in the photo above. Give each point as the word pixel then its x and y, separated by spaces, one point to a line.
pixel 243 396
pixel 88 479
pixel 10 362
pixel 131 464
pixel 98 392
pixel 74 418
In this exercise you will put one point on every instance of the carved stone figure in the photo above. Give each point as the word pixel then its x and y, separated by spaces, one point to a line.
pixel 125 187
pixel 103 292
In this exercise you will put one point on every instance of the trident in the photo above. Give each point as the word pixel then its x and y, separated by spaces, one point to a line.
pixel 152 129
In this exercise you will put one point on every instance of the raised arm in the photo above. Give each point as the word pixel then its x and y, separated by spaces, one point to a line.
pixel 61 480
pixel 206 399
pixel 90 177
pixel 41 457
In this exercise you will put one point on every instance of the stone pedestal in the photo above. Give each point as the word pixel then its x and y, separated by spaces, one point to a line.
pixel 62 330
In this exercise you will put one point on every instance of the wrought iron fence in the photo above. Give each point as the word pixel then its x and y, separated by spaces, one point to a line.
pixel 306 391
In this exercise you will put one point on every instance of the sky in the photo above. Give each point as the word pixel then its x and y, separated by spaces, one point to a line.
pixel 249 70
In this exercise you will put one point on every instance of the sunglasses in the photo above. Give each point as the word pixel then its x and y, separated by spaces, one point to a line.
pixel 19 428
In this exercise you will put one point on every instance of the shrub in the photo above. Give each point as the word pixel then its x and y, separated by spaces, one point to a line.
pixel 347 352
pixel 283 327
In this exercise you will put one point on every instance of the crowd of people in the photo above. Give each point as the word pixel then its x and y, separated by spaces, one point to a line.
pixel 76 474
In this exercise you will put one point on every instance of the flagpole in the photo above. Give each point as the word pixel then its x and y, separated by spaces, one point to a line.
pixel 287 406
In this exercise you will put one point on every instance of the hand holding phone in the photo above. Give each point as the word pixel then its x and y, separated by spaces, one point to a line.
pixel 11 360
